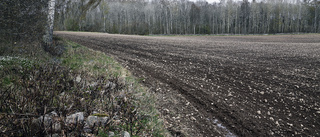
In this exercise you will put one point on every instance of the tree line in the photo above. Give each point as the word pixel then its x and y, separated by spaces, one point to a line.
pixel 186 17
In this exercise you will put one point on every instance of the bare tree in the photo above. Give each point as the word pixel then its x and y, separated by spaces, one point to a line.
pixel 186 17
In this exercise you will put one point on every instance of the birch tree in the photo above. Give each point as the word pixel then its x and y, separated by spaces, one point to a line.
pixel 200 17
pixel 50 21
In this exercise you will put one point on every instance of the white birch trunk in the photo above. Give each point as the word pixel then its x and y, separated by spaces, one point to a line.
pixel 315 16
pixel 104 23
pixel 50 20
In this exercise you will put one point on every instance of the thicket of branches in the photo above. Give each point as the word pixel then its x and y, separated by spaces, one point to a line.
pixel 31 92
pixel 185 17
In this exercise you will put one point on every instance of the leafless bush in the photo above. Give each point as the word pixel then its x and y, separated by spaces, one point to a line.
pixel 33 92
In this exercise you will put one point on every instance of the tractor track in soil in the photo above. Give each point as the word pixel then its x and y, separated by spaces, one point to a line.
pixel 224 85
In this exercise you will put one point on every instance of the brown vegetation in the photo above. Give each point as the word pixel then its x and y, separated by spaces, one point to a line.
pixel 39 93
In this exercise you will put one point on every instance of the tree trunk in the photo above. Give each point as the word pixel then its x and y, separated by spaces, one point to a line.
pixel 315 16
pixel 50 20
pixel 104 23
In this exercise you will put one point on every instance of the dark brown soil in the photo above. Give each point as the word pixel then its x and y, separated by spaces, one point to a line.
pixel 252 85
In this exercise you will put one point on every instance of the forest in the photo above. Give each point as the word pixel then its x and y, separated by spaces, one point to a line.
pixel 146 17
pixel 59 79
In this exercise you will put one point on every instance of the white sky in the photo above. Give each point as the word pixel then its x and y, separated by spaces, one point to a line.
pixel 217 1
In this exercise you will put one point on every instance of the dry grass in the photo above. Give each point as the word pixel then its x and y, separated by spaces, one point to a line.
pixel 81 80
pixel 96 64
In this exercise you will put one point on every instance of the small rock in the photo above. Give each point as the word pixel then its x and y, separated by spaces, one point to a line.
pixel 277 123
pixel 110 134
pixel 50 121
pixel 95 120
pixel 86 128
pixel 103 120
pixel 47 119
pixel 259 112
pixel 62 94
pixel 271 118
pixel 124 134
pixel 56 126
pixel 272 133
pixel 75 118
pixel 117 122
pixel 102 92
pixel 94 112
pixel 166 110
pixel 78 79
pixel 187 104
pixel 194 119
pixel 91 121
pixel 93 84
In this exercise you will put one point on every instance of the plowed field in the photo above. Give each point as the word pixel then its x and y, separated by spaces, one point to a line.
pixel 224 85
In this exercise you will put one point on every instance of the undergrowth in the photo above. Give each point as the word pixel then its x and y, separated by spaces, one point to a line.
pixel 79 80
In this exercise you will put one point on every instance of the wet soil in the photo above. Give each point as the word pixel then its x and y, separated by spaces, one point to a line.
pixel 224 85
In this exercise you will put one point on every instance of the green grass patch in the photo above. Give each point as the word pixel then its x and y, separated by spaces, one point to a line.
pixel 97 64
pixel 78 57
pixel 9 64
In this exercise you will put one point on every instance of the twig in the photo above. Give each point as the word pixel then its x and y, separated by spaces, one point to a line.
pixel 33 115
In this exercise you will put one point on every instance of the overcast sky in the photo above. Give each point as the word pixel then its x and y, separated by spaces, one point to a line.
pixel 211 1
